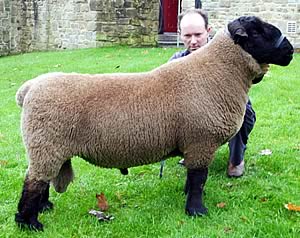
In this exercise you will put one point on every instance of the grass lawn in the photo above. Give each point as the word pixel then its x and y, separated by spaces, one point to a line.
pixel 144 205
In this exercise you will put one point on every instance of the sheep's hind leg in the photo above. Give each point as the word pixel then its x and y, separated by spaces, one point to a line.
pixel 30 203
pixel 195 182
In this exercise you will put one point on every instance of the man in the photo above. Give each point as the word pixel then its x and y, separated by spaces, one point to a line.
pixel 194 33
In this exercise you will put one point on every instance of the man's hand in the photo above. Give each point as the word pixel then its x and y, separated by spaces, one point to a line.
pixel 265 68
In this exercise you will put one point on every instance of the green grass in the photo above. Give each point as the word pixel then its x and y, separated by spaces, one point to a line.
pixel 143 204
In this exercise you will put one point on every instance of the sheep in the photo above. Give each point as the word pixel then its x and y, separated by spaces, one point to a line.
pixel 188 106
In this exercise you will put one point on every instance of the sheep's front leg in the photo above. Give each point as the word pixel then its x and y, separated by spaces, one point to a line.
pixel 30 204
pixel 45 204
pixel 195 182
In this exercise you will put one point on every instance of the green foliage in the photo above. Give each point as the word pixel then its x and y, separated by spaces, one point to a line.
pixel 143 204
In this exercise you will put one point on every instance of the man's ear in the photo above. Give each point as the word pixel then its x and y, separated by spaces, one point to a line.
pixel 209 29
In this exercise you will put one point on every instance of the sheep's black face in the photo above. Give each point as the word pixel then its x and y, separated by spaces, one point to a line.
pixel 262 40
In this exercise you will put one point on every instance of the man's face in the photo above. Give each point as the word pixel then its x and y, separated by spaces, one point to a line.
pixel 193 32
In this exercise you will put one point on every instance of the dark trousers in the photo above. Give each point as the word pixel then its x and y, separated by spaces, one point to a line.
pixel 237 145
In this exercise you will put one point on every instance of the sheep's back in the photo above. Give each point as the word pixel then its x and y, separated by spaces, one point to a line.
pixel 102 118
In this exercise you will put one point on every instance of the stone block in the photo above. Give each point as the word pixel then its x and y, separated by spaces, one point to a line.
pixel 2 7
pixel 90 16
pixel 101 37
pixel 75 25
pixel 99 26
pixel 84 8
pixel 131 12
pixel 104 44
pixel 118 3
pixel 81 1
pixel 5 22
pixel 127 4
pixel 91 26
pixel 123 34
pixel 96 5
pixel 123 21
pixel 224 3
pixel 135 22
pixel 108 28
pixel 82 26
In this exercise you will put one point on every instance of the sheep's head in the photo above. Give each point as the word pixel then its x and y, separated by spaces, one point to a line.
pixel 262 40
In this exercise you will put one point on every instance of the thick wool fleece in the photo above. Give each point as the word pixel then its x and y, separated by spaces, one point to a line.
pixel 193 104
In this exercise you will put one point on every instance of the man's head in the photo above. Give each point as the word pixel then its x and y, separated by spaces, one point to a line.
pixel 193 28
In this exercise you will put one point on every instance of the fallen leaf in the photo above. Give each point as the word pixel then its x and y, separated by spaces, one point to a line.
pixel 118 195
pixel 180 223
pixel 227 229
pixel 3 162
pixel 297 147
pixel 102 202
pixel 121 199
pixel 221 205
pixel 244 218
pixel 265 152
pixel 264 199
pixel 229 185
pixel 292 207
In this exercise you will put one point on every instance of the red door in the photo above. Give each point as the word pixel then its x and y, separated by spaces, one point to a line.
pixel 170 11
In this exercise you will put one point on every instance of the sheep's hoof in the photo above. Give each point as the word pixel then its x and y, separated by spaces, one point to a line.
pixel 32 223
pixel 36 226
pixel 196 211
pixel 124 171
pixel 46 206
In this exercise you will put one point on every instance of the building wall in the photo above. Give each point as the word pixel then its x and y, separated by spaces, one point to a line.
pixel 46 24
pixel 278 12
pixel 130 22
pixel 27 25
pixel 4 25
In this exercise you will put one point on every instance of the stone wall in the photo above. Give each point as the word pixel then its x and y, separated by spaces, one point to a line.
pixel 27 25
pixel 130 22
pixel 4 26
pixel 278 12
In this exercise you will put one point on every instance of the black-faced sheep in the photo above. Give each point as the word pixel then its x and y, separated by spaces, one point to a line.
pixel 188 106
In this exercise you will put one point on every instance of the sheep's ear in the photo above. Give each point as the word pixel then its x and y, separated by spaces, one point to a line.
pixel 237 31
pixel 240 36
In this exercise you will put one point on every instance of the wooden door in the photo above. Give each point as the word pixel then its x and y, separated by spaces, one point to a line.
pixel 170 12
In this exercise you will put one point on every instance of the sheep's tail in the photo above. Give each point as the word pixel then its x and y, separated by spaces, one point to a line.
pixel 64 178
pixel 22 91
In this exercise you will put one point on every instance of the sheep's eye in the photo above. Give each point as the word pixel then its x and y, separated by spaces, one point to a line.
pixel 255 34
